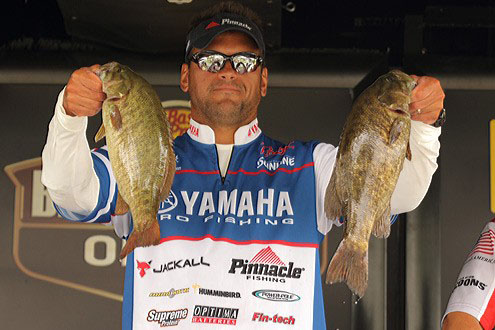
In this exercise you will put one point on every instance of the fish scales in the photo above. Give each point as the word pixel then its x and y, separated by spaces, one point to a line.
pixel 372 149
pixel 140 150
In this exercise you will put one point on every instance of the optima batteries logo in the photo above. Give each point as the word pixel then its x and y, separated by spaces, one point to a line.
pixel 167 318
pixel 265 266
pixel 215 315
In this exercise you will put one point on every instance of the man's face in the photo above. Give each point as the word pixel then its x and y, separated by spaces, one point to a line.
pixel 226 98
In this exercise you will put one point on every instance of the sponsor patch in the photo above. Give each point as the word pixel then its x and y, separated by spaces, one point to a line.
pixel 215 293
pixel 215 315
pixel 170 293
pixel 276 295
pixel 167 318
pixel 260 317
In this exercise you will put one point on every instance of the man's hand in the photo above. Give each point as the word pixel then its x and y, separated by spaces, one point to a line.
pixel 426 99
pixel 83 94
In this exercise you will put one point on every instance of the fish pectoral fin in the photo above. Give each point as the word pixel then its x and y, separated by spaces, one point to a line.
pixel 408 152
pixel 381 226
pixel 115 117
pixel 395 130
pixel 100 134
pixel 121 206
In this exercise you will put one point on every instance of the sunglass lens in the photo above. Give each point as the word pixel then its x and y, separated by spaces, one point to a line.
pixel 211 63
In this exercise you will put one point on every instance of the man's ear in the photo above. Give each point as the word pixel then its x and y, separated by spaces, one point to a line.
pixel 184 78
pixel 264 81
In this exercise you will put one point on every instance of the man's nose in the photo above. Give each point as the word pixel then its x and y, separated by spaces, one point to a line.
pixel 228 72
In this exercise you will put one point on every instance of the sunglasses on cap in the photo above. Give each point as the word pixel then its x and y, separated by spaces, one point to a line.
pixel 211 61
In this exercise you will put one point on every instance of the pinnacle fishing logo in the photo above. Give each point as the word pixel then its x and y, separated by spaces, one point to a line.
pixel 266 266
pixel 143 267
pixel 232 22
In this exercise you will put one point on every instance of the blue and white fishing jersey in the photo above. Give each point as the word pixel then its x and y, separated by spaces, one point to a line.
pixel 240 251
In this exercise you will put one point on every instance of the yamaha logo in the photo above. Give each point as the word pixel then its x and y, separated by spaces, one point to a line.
pixel 169 204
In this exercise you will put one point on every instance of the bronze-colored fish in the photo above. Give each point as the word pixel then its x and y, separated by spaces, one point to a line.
pixel 372 149
pixel 140 149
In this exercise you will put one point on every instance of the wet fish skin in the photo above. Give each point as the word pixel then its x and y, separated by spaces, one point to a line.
pixel 372 149
pixel 139 144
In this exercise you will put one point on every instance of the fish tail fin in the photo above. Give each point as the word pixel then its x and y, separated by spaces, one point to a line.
pixel 381 226
pixel 333 205
pixel 351 266
pixel 150 236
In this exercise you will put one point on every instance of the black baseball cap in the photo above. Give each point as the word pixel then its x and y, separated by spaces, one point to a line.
pixel 204 33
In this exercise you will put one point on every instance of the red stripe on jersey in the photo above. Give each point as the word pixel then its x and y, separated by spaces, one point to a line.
pixel 225 239
pixel 197 172
pixel 280 169
pixel 487 320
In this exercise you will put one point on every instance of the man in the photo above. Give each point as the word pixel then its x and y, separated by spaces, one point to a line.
pixel 472 303
pixel 240 238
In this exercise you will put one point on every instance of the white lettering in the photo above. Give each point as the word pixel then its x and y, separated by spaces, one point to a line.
pixel 110 250
pixel 189 202
pixel 207 203
pixel 229 203
pixel 245 204
pixel 284 204
pixel 265 201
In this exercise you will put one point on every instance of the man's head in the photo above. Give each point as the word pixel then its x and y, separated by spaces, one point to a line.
pixel 225 92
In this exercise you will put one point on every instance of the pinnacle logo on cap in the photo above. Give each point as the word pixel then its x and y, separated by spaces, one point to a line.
pixel 231 22
pixel 211 25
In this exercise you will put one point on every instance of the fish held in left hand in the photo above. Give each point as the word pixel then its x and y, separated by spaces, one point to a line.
pixel 373 146
pixel 139 144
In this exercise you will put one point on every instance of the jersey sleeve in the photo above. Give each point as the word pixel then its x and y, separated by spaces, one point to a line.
pixel 474 290
pixel 80 182
pixel 413 182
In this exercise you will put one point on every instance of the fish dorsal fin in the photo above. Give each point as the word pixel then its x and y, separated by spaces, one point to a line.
pixel 100 134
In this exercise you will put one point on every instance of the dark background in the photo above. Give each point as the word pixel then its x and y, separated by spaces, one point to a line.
pixel 320 55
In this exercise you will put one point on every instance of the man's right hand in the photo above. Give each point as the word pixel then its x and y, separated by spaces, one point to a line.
pixel 83 94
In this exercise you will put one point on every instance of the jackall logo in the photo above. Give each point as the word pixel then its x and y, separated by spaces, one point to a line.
pixel 215 293
pixel 143 267
pixel 274 164
pixel 276 295
pixel 170 293
pixel 232 22
pixel 181 263
pixel 167 318
pixel 470 281
pixel 215 315
pixel 265 266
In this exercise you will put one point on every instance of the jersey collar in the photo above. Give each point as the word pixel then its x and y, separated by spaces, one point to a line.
pixel 204 134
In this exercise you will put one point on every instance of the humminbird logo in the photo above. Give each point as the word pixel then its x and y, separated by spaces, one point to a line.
pixel 231 22
pixel 265 266
pixel 267 206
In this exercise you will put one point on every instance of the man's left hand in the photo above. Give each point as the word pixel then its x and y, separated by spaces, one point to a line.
pixel 426 99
